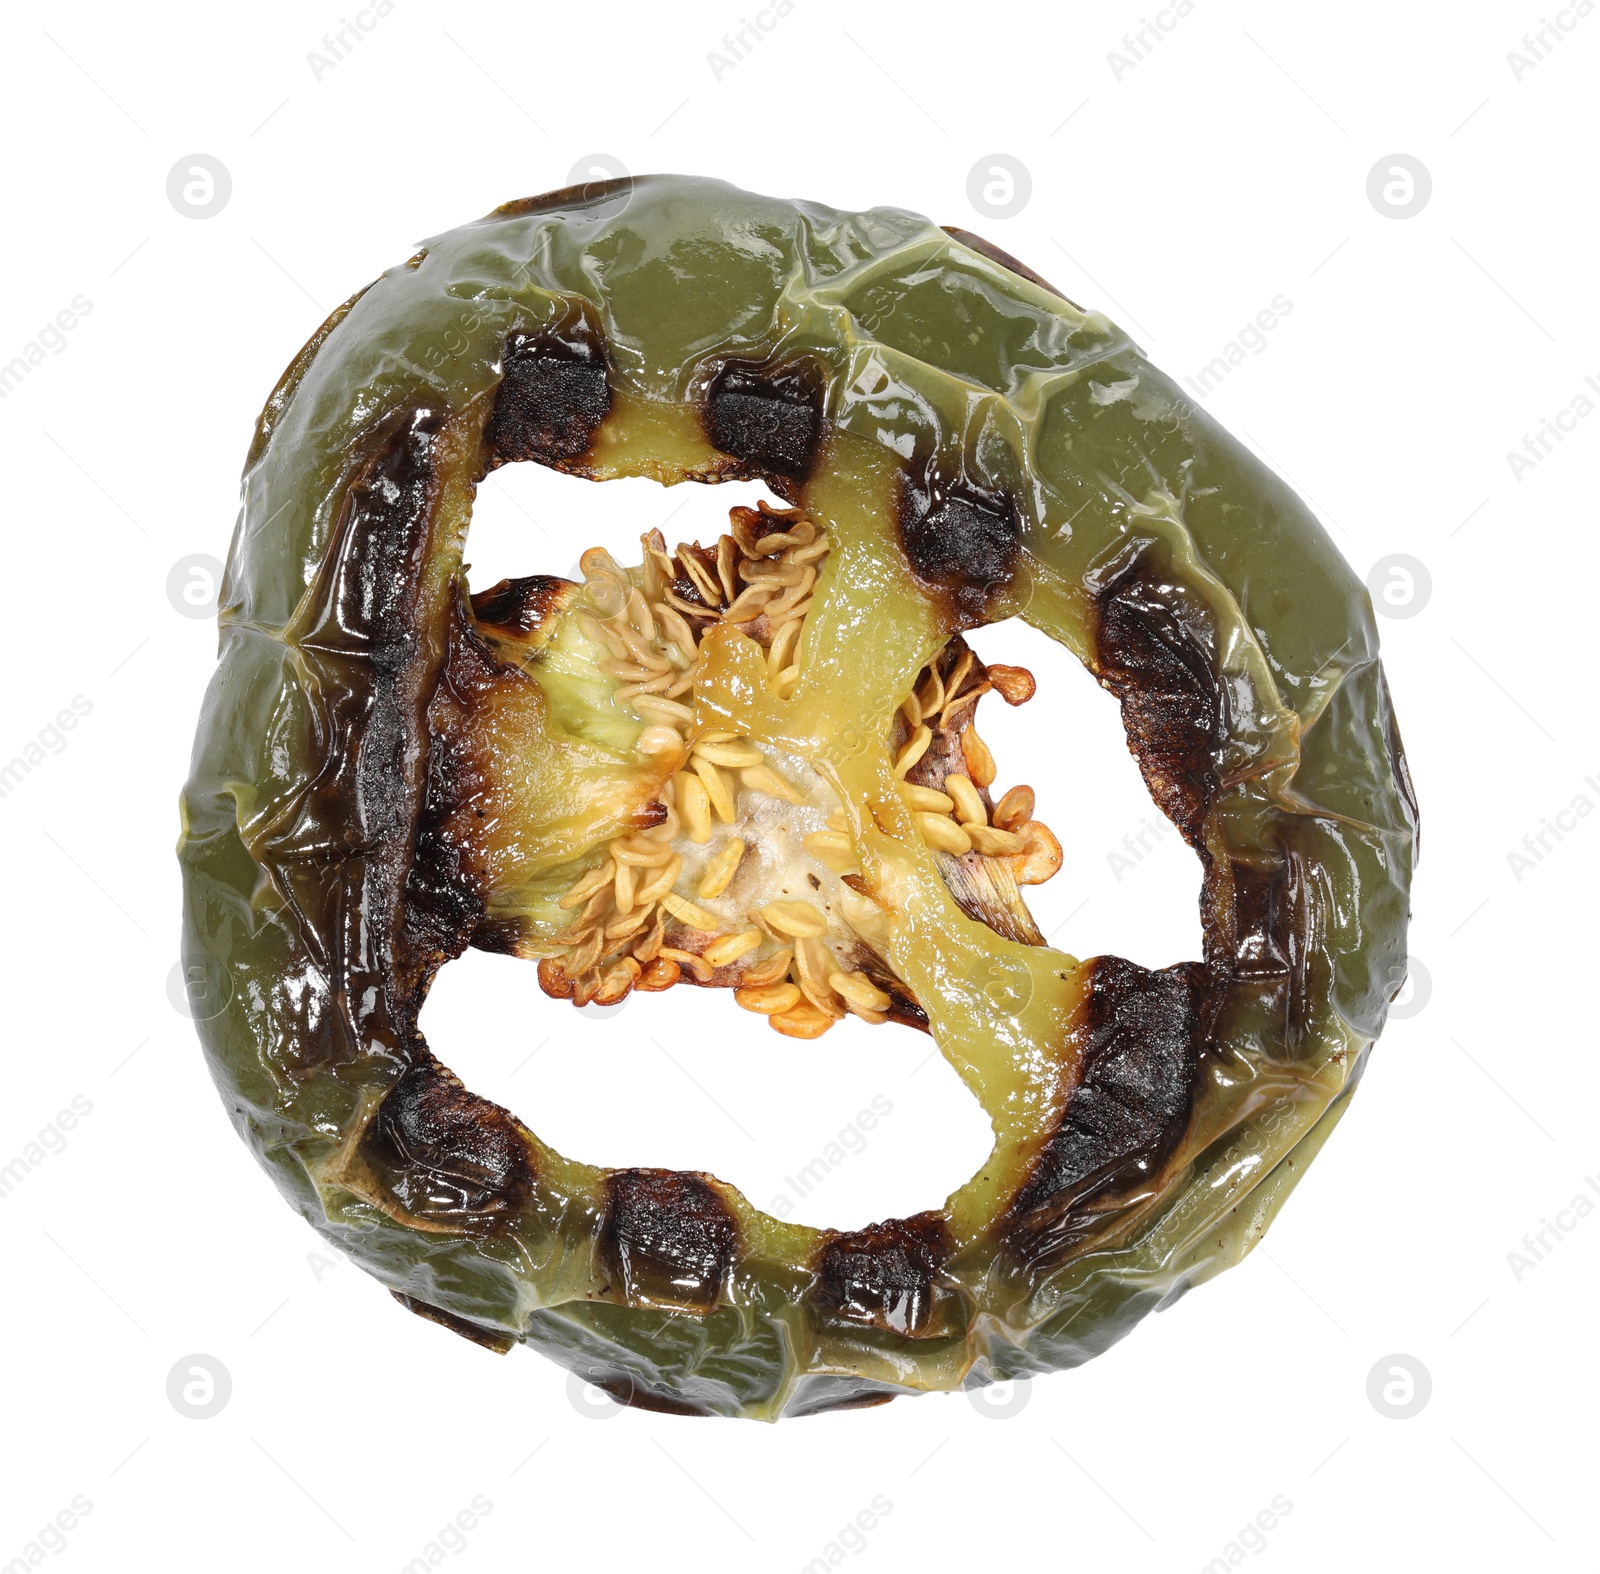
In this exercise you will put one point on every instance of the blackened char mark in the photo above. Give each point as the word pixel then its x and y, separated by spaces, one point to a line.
pixel 1158 666
pixel 520 606
pixel 367 590
pixel 1006 260
pixel 443 899
pixel 1261 942
pixel 623 1388
pixel 496 1339
pixel 367 644
pixel 1143 1033
pixel 961 542
pixel 448 1155
pixel 768 417
pixel 554 394
pixel 885 1275
pixel 669 1237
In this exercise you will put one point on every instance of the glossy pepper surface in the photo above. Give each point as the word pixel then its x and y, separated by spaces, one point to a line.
pixel 388 769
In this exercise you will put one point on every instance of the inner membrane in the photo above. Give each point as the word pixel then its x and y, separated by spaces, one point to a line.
pixel 749 878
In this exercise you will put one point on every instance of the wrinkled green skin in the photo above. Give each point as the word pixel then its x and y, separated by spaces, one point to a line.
pixel 975 357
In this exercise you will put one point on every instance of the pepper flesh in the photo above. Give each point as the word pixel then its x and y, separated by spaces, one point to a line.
pixel 976 447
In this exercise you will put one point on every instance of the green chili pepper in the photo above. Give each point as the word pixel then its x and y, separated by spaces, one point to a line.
pixel 388 769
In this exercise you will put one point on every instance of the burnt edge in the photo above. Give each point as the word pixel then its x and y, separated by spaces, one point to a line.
pixel 988 249
pixel 960 541
pixel 554 393
pixel 886 1275
pixel 1160 669
pixel 769 417
pixel 341 861
pixel 1143 1033
pixel 448 1155
pixel 496 1339
pixel 591 191
pixel 442 906
pixel 384 919
pixel 668 1238
pixel 520 606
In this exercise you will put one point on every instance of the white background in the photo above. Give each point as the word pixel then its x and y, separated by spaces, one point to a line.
pixel 1228 166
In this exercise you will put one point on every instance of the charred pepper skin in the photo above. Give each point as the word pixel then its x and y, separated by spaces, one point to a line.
pixel 978 447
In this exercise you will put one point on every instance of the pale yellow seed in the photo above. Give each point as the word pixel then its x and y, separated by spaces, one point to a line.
pixel 641 651
pixel 969 806
pixel 586 955
pixel 694 806
pixel 687 913
pixel 671 712
pixel 770 971
pixel 916 746
pixel 831 849
pixel 945 835
pixel 788 602
pixel 751 603
pixel 661 881
pixel 837 821
pixel 735 756
pixel 784 684
pixel 667 831
pixel 716 788
pixel 659 739
pixel 731 947
pixel 979 761
pixel 929 799
pixel 678 631
pixel 860 991
pixel 658 685
pixel 783 645
pixel 766 572
pixel 811 552
pixel 624 888
pixel 639 616
pixel 720 870
pixel 598 634
pixel 813 963
pixel 768 999
pixel 994 844
pixel 639 852
pixel 589 884
pixel 796 919
pixel 631 925
pixel 762 778
pixel 696 964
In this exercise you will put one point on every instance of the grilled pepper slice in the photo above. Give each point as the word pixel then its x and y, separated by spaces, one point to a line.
pixel 756 765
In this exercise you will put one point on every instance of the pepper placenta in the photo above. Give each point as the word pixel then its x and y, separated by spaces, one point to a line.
pixel 756 765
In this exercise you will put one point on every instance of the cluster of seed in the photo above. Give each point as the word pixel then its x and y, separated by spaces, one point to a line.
pixel 759 577
pixel 956 820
